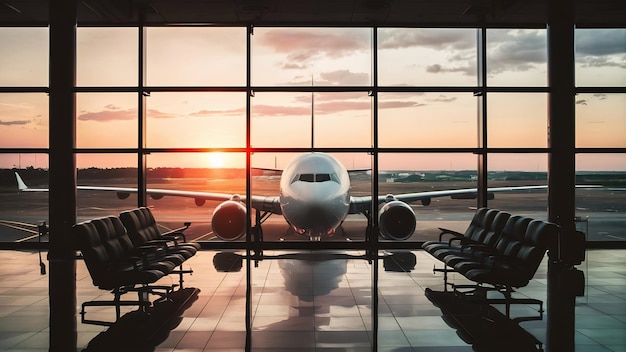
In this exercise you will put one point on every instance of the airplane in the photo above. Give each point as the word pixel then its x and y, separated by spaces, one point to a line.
pixel 314 198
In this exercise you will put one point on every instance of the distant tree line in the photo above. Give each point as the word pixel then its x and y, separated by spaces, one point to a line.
pixel 39 177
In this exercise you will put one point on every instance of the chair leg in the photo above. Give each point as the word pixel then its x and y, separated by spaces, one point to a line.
pixel 180 273
pixel 445 271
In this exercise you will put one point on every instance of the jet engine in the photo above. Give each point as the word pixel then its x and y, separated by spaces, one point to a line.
pixel 396 220
pixel 229 220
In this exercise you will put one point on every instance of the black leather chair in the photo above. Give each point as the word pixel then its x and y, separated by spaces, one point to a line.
pixel 512 265
pixel 452 242
pixel 480 220
pixel 118 275
pixel 143 230
pixel 508 240
pixel 120 247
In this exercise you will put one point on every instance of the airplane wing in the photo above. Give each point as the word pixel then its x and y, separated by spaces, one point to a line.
pixel 360 204
pixel 272 203
pixel 263 203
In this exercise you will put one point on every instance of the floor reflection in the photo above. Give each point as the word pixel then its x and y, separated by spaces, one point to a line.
pixel 140 330
pixel 307 300
pixel 483 326
pixel 379 305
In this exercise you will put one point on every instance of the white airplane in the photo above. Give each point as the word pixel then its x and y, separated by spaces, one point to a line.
pixel 314 199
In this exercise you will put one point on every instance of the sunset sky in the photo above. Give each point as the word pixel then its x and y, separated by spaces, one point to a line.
pixel 204 56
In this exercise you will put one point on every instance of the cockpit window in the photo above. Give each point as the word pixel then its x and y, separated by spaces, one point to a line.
pixel 322 177
pixel 307 178
pixel 315 178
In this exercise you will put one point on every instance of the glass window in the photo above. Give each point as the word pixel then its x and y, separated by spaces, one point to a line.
pixel 196 56
pixel 281 120
pixel 22 212
pixel 203 173
pixel 311 56
pixel 517 57
pixel 427 120
pixel 106 120
pixel 600 120
pixel 519 170
pixel 427 57
pixel 600 211
pixel 105 170
pixel 342 119
pixel 601 57
pixel 25 56
pixel 517 120
pixel 196 120
pixel 267 180
pixel 24 120
pixel 106 56
pixel 402 173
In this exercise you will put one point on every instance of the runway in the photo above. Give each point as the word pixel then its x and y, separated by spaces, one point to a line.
pixel 602 212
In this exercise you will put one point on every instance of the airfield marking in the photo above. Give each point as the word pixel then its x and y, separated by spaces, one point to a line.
pixel 22 226
pixel 203 236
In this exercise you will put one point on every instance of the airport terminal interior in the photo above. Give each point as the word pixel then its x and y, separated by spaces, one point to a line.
pixel 331 175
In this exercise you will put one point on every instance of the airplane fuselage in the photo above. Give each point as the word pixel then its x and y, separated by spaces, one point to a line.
pixel 315 194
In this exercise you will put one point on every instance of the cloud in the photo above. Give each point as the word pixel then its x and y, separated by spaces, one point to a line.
pixel 109 115
pixel 229 112
pixel 468 70
pixel 114 113
pixel 453 39
pixel 516 50
pixel 581 102
pixel 443 99
pixel 329 107
pixel 14 122
pixel 156 114
pixel 304 45
pixel 273 110
pixel 600 42
pixel 395 104
pixel 344 78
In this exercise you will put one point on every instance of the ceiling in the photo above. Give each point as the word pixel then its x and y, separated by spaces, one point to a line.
pixel 318 12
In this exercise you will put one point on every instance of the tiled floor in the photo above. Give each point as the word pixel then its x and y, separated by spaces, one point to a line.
pixel 323 303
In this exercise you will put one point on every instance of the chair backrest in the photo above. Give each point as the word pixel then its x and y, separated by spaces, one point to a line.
pixel 480 224
pixel 494 231
pixel 540 236
pixel 140 225
pixel 95 254
pixel 114 237
pixel 512 236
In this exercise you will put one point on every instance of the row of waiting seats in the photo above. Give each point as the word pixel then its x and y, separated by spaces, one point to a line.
pixel 130 254
pixel 498 251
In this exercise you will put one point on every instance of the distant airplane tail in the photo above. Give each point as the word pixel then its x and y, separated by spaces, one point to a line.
pixel 21 186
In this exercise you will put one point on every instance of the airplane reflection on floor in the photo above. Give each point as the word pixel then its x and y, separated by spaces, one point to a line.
pixel 340 320
pixel 307 280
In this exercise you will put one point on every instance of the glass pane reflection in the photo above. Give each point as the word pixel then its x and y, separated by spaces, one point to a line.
pixel 311 299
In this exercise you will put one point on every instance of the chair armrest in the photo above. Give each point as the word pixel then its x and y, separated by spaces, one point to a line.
pixel 127 264
pixel 445 231
pixel 482 248
pixel 178 232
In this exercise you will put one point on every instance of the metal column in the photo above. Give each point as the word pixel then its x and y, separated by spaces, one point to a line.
pixel 562 171
pixel 62 201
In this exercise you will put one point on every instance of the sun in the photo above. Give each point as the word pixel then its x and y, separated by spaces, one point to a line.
pixel 216 160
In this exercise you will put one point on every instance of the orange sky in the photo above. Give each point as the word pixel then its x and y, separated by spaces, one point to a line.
pixel 329 57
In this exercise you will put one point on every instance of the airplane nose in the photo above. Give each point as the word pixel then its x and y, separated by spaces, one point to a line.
pixel 316 213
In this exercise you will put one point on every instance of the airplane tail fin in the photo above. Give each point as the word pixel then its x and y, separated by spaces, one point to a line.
pixel 21 186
